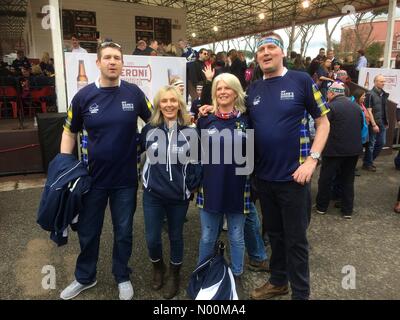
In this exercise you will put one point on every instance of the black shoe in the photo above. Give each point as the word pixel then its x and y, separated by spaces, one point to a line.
pixel 369 168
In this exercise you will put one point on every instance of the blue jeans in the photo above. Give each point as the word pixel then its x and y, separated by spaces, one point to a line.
pixel 375 145
pixel 90 224
pixel 155 209
pixel 252 236
pixel 210 230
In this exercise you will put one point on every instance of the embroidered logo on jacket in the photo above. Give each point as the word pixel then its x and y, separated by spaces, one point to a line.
pixel 287 95
pixel 127 106
pixel 94 108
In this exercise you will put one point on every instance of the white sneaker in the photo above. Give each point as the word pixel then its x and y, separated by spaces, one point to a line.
pixel 74 289
pixel 125 290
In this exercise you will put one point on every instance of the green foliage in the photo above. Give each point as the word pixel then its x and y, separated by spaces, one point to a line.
pixel 374 52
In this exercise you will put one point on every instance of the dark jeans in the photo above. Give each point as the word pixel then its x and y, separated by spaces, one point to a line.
pixel 90 224
pixel 329 169
pixel 375 144
pixel 155 209
pixel 286 209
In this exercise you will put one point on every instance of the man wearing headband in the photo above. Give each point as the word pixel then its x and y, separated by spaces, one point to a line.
pixel 342 150
pixel 278 107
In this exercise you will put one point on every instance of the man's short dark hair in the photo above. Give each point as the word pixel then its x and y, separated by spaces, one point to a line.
pixel 320 49
pixel 104 45
pixel 74 35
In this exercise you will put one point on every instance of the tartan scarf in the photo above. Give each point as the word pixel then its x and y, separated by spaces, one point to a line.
pixel 227 115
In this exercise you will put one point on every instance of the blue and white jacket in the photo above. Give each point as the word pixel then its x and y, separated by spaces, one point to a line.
pixel 169 172
pixel 67 181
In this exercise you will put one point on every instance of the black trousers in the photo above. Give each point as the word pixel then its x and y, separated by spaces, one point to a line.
pixel 286 208
pixel 330 167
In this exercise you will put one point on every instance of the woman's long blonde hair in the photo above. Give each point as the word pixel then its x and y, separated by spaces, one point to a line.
pixel 233 83
pixel 157 118
pixel 45 57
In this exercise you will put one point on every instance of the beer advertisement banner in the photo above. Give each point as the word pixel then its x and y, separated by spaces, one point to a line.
pixel 392 81
pixel 147 72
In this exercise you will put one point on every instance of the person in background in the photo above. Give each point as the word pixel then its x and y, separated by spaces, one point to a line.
pixel 331 56
pixel 298 64
pixel 324 76
pixel 168 183
pixel 178 84
pixel 362 61
pixel 153 47
pixel 340 156
pixel 376 104
pixel 196 104
pixel 45 65
pixel 187 52
pixel 315 63
pixel 336 69
pixel 20 62
pixel 170 51
pixel 75 45
pixel 397 62
pixel 141 48
pixel 236 66
pixel 307 63
pixel 249 72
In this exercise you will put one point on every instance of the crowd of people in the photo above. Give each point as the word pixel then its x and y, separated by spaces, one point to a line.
pixel 275 97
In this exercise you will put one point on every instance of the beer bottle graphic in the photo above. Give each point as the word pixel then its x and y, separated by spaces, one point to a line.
pixel 366 83
pixel 82 79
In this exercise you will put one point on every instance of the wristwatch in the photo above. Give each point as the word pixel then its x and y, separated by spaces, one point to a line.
pixel 315 155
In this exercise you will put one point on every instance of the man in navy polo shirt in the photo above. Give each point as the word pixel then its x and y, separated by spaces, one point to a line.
pixel 278 107
pixel 108 110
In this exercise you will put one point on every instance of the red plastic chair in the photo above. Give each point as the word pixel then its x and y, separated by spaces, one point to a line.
pixel 42 95
pixel 8 94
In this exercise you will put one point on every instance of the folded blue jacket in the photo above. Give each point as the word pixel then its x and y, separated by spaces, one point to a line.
pixel 67 181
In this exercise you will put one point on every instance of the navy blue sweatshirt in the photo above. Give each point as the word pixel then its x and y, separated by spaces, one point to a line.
pixel 222 190
pixel 172 170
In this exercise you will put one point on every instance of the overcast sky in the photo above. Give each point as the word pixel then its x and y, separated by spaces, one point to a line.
pixel 319 39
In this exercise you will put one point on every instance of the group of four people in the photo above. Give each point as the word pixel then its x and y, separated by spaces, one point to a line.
pixel 276 108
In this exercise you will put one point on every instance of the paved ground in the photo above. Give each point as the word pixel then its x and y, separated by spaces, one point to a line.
pixel 369 242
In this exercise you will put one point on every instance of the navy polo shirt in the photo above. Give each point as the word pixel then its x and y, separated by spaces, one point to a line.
pixel 278 109
pixel 109 115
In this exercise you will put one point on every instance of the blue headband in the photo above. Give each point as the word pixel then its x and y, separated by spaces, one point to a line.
pixel 270 40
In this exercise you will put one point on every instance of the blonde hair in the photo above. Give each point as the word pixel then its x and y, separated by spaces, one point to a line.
pixel 45 57
pixel 171 50
pixel 233 83
pixel 157 117
pixel 36 70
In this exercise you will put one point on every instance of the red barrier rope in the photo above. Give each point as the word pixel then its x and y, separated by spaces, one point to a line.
pixel 19 148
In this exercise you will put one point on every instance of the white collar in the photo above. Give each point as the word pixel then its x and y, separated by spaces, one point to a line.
pixel 97 83
pixel 285 70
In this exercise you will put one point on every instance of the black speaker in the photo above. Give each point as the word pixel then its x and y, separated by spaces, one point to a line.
pixel 50 128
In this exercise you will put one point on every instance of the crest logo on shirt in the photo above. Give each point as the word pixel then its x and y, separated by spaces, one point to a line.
pixel 287 95
pixel 256 100
pixel 94 108
pixel 154 146
pixel 212 130
pixel 127 106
